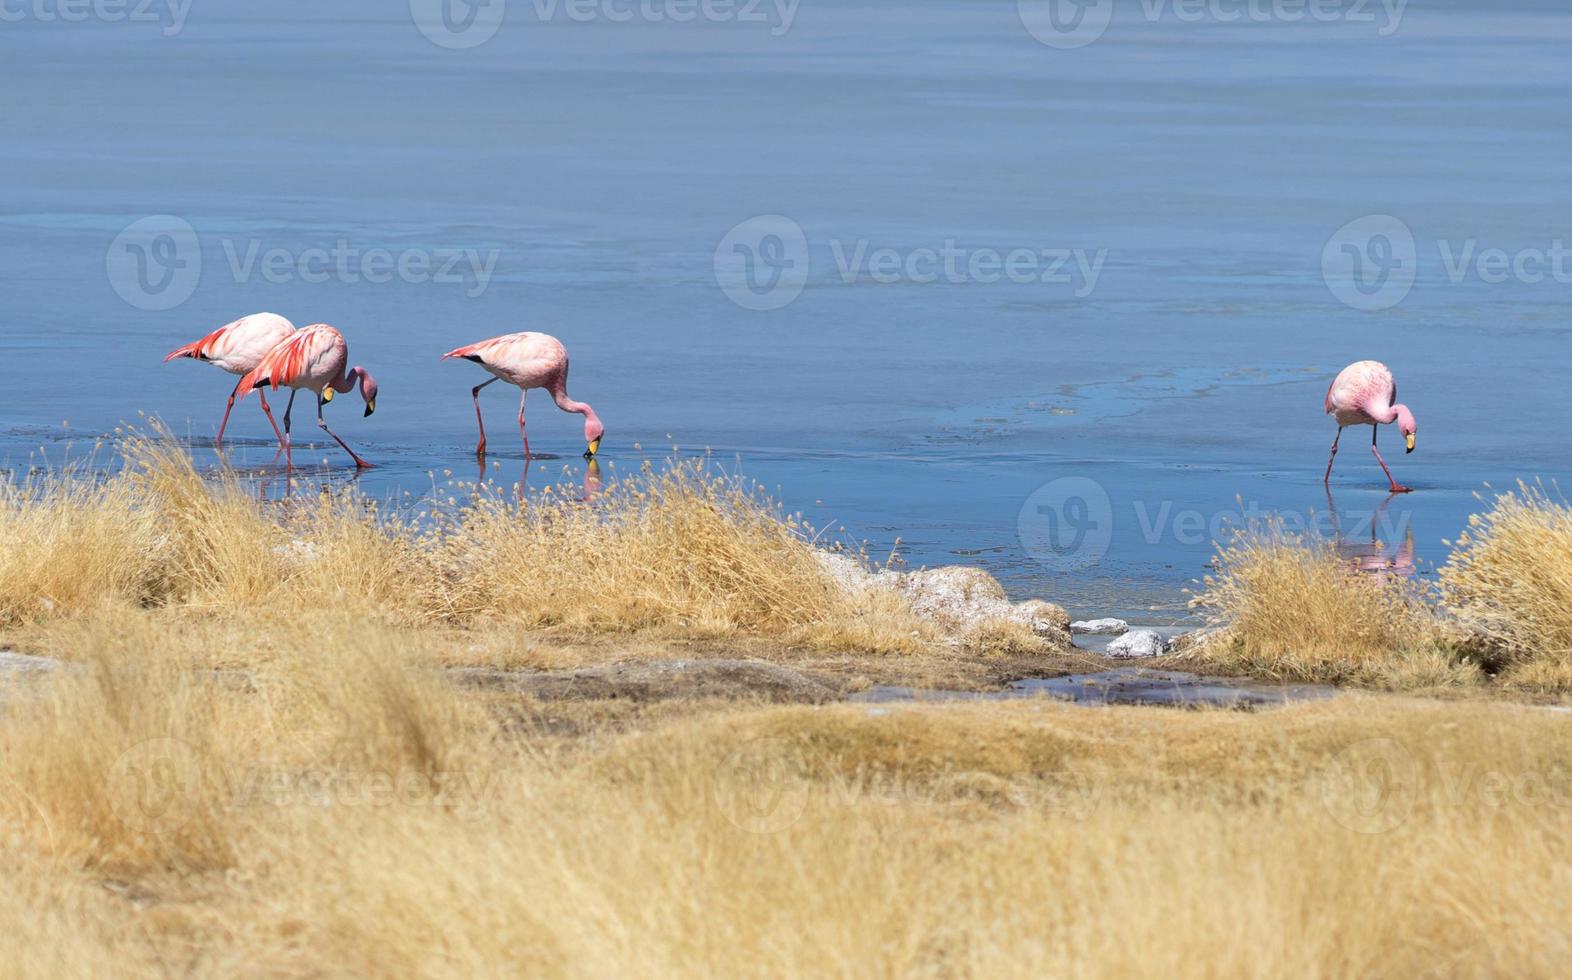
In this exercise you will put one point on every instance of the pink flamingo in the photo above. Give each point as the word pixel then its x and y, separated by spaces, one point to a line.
pixel 1364 394
pixel 238 348
pixel 529 360
pixel 313 359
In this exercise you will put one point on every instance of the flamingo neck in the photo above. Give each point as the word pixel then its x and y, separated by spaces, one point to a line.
pixel 345 384
pixel 1382 413
pixel 560 396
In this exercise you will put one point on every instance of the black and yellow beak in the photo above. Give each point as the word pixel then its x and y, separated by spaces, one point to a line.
pixel 594 447
pixel 1409 439
pixel 371 406
pixel 327 395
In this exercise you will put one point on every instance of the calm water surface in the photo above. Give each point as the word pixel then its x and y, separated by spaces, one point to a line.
pixel 1201 168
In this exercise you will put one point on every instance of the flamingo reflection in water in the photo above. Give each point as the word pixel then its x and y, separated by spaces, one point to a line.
pixel 591 483
pixel 1373 557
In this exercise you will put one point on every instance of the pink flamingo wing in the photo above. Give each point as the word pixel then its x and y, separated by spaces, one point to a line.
pixel 285 363
pixel 205 348
pixel 485 350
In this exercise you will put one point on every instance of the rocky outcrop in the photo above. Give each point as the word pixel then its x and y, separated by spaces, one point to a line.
pixel 1099 627
pixel 1138 643
pixel 959 599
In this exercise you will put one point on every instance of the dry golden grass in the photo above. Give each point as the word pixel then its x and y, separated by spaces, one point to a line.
pixel 679 550
pixel 232 776
pixel 338 812
pixel 67 542
pixel 1509 581
pixel 1289 607
pixel 1500 613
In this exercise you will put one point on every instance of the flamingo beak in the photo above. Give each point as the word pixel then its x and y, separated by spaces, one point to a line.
pixel 1410 441
pixel 594 447
pixel 327 395
pixel 371 406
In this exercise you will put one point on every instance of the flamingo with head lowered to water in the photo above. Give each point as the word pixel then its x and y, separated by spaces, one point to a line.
pixel 529 360
pixel 314 359
pixel 238 348
pixel 1364 393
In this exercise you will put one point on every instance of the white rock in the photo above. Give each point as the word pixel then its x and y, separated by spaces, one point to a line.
pixel 1139 643
pixel 963 597
pixel 23 663
pixel 957 598
pixel 1100 627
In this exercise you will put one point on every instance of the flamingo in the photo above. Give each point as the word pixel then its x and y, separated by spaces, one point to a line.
pixel 312 359
pixel 529 360
pixel 1365 394
pixel 238 347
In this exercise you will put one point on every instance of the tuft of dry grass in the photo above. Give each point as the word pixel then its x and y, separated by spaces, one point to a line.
pixel 67 542
pixel 1508 581
pixel 1291 607
pixel 674 550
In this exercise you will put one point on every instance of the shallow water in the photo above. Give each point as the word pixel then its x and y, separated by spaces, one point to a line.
pixel 1125 685
pixel 605 164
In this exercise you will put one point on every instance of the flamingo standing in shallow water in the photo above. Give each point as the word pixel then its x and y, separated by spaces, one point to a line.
pixel 314 359
pixel 529 360
pixel 1365 394
pixel 238 348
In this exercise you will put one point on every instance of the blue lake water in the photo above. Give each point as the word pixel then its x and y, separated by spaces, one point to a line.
pixel 1185 187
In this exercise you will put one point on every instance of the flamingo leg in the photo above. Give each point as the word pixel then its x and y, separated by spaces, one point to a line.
pixel 525 435
pixel 480 447
pixel 289 456
pixel 1328 478
pixel 269 413
pixel 1375 431
pixel 360 464
pixel 219 442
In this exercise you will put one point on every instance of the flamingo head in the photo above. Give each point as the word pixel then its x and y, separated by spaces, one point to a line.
pixel 368 389
pixel 593 431
pixel 1407 426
